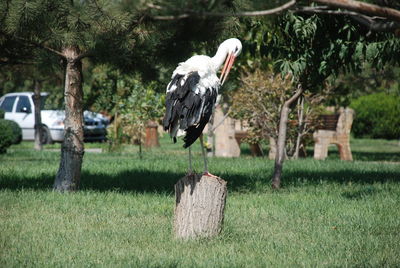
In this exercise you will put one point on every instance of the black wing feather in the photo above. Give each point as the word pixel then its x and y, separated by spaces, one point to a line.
pixel 180 101
pixel 194 131
pixel 188 109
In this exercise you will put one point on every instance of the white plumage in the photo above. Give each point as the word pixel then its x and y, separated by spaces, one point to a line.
pixel 204 67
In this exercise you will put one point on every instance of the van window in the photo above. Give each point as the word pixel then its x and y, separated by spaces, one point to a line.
pixel 23 102
pixel 8 103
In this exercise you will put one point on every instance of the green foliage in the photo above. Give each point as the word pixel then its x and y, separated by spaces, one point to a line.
pixel 377 116
pixel 313 48
pixel 103 92
pixel 131 101
pixel 17 132
pixel 142 105
pixel 2 114
pixel 309 48
pixel 349 86
pixel 6 135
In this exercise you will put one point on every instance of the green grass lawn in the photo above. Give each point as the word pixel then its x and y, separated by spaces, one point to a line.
pixel 329 213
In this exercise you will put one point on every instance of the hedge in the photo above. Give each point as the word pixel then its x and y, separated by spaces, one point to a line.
pixel 377 116
pixel 6 135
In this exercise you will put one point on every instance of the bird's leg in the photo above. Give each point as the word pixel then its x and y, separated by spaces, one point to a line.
pixel 204 154
pixel 190 171
pixel 203 151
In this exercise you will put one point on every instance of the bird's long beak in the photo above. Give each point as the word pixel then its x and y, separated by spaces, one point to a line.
pixel 227 67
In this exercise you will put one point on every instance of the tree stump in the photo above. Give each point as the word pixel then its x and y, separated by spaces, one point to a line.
pixel 199 208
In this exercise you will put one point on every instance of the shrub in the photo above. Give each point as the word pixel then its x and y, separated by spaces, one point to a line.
pixel 259 101
pixel 17 132
pixel 10 133
pixel 2 114
pixel 6 135
pixel 377 116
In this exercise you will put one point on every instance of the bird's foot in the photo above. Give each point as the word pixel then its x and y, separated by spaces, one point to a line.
pixel 206 173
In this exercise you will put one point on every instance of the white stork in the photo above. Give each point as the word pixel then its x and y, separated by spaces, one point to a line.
pixel 192 93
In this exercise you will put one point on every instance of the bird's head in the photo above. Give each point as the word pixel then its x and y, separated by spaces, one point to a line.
pixel 232 48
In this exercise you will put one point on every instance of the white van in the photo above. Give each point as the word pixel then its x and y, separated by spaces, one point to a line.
pixel 19 108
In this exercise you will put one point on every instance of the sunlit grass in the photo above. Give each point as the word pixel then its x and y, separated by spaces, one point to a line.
pixel 329 213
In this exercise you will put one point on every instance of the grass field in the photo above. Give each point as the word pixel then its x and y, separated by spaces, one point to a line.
pixel 329 213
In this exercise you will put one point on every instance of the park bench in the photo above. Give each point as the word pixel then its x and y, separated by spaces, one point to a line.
pixel 334 129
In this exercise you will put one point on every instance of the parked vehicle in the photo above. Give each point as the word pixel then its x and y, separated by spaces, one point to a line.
pixel 19 108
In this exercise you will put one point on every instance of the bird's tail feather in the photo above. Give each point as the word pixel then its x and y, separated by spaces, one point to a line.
pixel 192 133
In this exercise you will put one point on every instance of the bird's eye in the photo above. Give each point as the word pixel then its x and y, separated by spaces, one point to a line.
pixel 236 49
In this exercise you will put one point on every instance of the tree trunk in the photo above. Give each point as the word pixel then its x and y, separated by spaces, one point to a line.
pixel 281 143
pixel 38 117
pixel 300 116
pixel 199 208
pixel 272 148
pixel 72 150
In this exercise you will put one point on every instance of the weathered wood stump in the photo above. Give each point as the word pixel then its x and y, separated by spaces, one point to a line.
pixel 199 208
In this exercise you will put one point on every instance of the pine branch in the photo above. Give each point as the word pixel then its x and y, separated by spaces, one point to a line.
pixel 26 42
pixel 43 46
pixel 15 62
pixel 84 55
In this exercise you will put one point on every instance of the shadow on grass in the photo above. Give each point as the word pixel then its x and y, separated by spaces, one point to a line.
pixel 360 194
pixel 371 156
pixel 303 177
pixel 362 156
pixel 163 182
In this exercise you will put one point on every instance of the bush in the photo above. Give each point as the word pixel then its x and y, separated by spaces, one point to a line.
pixel 6 135
pixel 2 114
pixel 10 133
pixel 17 132
pixel 377 116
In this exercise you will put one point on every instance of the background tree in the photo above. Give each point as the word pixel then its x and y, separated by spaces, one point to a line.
pixel 311 50
pixel 142 106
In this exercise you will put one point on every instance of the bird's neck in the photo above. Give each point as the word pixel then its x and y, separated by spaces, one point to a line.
pixel 219 58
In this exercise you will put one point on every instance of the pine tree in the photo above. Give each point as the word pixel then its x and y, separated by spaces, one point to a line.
pixel 71 30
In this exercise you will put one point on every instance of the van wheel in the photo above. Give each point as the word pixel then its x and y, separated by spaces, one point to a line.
pixel 46 136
